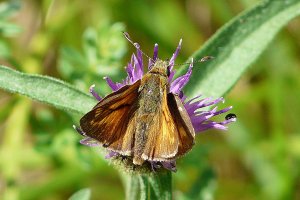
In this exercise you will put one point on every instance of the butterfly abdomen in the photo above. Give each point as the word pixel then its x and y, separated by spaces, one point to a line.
pixel 149 109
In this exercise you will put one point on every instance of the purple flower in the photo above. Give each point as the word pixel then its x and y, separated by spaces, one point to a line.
pixel 200 118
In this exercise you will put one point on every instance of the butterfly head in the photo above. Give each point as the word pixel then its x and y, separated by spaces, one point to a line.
pixel 161 67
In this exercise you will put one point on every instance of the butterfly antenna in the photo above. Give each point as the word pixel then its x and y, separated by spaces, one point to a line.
pixel 204 59
pixel 136 45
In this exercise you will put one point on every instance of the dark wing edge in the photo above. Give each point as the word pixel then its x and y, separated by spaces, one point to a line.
pixel 186 132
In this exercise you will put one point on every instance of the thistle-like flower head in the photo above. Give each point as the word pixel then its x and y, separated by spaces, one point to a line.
pixel 200 117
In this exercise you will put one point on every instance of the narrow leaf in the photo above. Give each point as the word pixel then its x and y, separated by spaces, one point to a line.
pixel 46 89
pixel 238 44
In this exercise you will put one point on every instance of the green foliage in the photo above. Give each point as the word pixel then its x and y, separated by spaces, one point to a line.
pixel 103 48
pixel 7 29
pixel 40 154
pixel 237 45
pixel 7 10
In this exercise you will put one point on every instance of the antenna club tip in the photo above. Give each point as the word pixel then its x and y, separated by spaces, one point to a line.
pixel 125 33
pixel 180 41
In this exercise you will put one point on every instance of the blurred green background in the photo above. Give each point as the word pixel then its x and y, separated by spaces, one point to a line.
pixel 81 42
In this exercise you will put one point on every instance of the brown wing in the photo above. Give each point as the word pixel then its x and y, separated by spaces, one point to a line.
pixel 171 134
pixel 162 142
pixel 109 120
pixel 186 132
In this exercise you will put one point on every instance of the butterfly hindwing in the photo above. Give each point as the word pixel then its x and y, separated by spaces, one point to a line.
pixel 185 130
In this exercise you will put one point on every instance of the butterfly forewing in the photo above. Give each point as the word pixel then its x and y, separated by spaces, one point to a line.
pixel 110 119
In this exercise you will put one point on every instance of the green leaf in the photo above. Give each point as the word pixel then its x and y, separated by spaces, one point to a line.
pixel 46 89
pixel 83 194
pixel 238 44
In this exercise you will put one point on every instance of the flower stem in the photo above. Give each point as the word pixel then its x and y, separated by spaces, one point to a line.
pixel 156 185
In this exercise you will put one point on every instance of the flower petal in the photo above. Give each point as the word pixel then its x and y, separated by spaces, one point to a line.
pixel 111 154
pixel 94 93
pixel 111 84
pixel 154 57
pixel 180 82
pixel 90 142
pixel 170 165
pixel 175 54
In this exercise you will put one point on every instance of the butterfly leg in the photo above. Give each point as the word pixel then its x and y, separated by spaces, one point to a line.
pixel 154 166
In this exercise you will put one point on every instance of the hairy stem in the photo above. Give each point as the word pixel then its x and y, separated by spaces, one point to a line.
pixel 156 185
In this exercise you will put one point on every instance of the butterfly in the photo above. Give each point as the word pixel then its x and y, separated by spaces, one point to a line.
pixel 144 120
